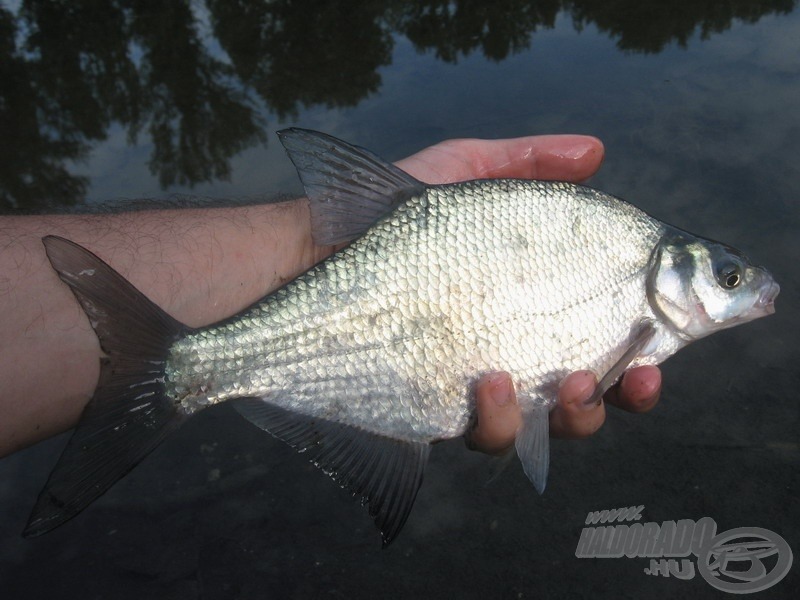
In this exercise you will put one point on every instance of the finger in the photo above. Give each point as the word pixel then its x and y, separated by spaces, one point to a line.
pixel 561 157
pixel 571 418
pixel 497 415
pixel 638 391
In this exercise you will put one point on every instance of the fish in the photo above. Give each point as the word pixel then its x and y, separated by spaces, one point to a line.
pixel 370 357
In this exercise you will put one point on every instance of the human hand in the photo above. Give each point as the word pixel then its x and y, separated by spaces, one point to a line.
pixel 563 157
pixel 498 415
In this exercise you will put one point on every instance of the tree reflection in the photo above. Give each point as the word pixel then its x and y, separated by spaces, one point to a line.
pixel 199 115
pixel 648 27
pixel 88 64
pixel 452 29
pixel 294 54
pixel 71 70
pixel 34 145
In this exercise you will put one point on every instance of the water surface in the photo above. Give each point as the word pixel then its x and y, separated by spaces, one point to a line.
pixel 698 105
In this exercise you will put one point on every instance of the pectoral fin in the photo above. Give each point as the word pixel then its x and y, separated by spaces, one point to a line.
pixel 533 444
pixel 385 472
pixel 640 337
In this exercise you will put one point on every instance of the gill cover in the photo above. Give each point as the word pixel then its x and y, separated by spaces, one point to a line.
pixel 699 286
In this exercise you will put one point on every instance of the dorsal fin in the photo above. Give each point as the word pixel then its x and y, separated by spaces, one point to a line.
pixel 349 188
pixel 385 472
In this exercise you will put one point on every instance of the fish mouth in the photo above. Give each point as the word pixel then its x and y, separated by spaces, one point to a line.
pixel 766 300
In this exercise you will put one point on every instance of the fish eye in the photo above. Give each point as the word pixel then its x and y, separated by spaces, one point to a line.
pixel 729 275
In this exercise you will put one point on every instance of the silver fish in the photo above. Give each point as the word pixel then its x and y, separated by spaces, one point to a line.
pixel 369 357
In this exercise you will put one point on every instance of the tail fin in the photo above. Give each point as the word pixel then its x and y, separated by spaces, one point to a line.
pixel 130 413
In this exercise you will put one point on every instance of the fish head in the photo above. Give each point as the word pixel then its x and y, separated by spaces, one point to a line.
pixel 699 286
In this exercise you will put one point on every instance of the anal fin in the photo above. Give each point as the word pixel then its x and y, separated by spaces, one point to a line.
pixel 533 438
pixel 533 444
pixel 385 472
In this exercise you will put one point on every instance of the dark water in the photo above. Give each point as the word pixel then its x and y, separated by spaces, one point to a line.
pixel 698 105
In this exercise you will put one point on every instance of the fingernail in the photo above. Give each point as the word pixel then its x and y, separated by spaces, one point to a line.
pixel 499 388
pixel 579 148
pixel 590 381
pixel 582 387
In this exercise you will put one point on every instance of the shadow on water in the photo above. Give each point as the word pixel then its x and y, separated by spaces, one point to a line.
pixel 199 78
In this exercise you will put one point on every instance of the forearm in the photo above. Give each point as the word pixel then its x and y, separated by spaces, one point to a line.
pixel 200 265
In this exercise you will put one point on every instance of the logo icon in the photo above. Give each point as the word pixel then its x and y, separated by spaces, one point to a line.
pixel 744 560
pixel 734 561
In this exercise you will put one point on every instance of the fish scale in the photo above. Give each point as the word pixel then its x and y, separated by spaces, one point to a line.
pixel 369 357
pixel 399 305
